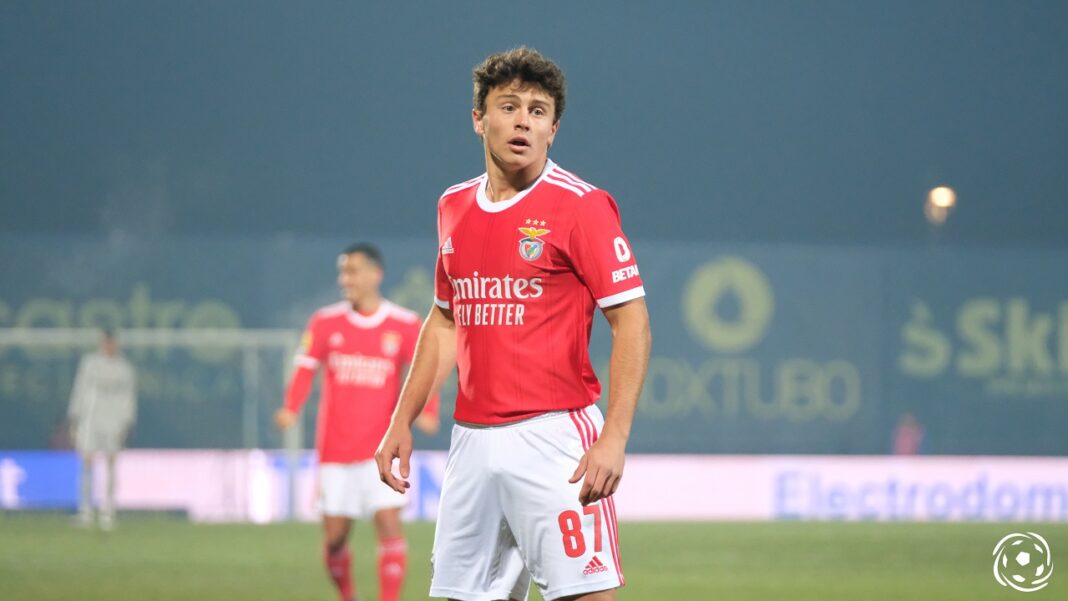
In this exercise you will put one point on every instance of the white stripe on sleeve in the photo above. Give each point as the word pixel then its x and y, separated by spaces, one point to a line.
pixel 306 361
pixel 622 297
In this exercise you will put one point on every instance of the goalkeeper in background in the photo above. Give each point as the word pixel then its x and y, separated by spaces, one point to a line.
pixel 362 344
pixel 103 407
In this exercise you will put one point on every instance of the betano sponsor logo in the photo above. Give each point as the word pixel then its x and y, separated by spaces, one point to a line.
pixel 630 271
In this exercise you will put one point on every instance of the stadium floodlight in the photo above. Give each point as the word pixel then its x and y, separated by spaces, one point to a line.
pixel 943 197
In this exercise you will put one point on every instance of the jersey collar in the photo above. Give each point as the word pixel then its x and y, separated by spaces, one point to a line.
pixel 368 321
pixel 489 206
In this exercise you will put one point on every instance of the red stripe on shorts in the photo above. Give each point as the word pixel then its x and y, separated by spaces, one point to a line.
pixel 614 525
pixel 608 506
pixel 581 430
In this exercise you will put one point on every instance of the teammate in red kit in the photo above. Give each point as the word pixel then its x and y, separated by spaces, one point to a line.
pixel 527 252
pixel 362 344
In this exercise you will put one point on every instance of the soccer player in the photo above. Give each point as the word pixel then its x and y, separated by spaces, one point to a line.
pixel 362 344
pixel 527 252
pixel 103 407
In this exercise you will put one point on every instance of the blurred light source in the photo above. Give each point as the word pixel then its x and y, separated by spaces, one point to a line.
pixel 943 197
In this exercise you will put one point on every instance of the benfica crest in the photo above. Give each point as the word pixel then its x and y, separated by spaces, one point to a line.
pixel 530 247
pixel 391 342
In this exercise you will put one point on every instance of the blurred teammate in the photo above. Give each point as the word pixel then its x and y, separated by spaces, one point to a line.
pixel 527 252
pixel 362 344
pixel 908 435
pixel 103 407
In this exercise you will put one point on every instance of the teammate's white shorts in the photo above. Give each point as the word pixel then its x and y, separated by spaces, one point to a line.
pixel 97 440
pixel 355 490
pixel 505 498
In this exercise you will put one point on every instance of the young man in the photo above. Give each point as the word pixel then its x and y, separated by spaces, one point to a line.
pixel 103 407
pixel 527 252
pixel 362 344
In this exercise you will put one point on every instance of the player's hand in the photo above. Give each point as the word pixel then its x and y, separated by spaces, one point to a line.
pixel 396 444
pixel 428 424
pixel 602 467
pixel 284 418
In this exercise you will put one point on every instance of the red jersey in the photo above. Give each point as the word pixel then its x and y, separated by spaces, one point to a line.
pixel 363 357
pixel 522 278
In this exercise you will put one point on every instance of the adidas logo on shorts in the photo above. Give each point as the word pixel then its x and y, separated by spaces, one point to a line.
pixel 595 566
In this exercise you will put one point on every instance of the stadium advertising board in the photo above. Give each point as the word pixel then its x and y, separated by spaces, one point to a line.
pixel 757 349
pixel 980 350
pixel 256 486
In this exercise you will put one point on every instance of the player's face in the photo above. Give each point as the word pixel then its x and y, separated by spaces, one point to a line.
pixel 517 126
pixel 358 277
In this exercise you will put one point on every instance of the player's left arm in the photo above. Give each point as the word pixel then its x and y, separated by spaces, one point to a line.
pixel 429 420
pixel 602 258
pixel 632 340
pixel 308 359
pixel 130 408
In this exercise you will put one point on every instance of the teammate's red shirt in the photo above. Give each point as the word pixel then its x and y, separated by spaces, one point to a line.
pixel 363 358
pixel 522 278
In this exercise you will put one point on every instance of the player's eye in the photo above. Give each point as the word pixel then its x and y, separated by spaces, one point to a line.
pixel 538 111
pixel 507 108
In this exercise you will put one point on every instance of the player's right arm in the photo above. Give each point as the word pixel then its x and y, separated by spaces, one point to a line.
pixel 78 392
pixel 435 356
pixel 307 362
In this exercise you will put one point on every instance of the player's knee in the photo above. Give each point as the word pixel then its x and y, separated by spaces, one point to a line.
pixel 336 544
pixel 335 540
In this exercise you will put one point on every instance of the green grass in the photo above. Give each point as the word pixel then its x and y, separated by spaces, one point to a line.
pixel 43 558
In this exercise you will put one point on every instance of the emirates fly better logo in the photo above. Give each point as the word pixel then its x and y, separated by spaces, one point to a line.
pixel 1023 562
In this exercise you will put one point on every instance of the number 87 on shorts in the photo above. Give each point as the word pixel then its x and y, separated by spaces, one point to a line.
pixel 574 540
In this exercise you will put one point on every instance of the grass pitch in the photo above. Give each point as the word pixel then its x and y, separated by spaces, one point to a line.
pixel 43 558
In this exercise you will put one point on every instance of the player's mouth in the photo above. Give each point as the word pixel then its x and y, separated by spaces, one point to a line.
pixel 518 144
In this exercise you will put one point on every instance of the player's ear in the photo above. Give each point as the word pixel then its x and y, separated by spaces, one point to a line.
pixel 476 122
pixel 552 133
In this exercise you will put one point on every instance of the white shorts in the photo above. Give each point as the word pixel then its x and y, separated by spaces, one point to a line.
pixel 354 490
pixel 508 514
pixel 88 440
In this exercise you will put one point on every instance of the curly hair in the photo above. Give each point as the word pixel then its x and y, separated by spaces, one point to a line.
pixel 524 64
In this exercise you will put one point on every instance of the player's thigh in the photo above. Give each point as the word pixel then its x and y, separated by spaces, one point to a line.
pixel 569 548
pixel 475 554
pixel 336 530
